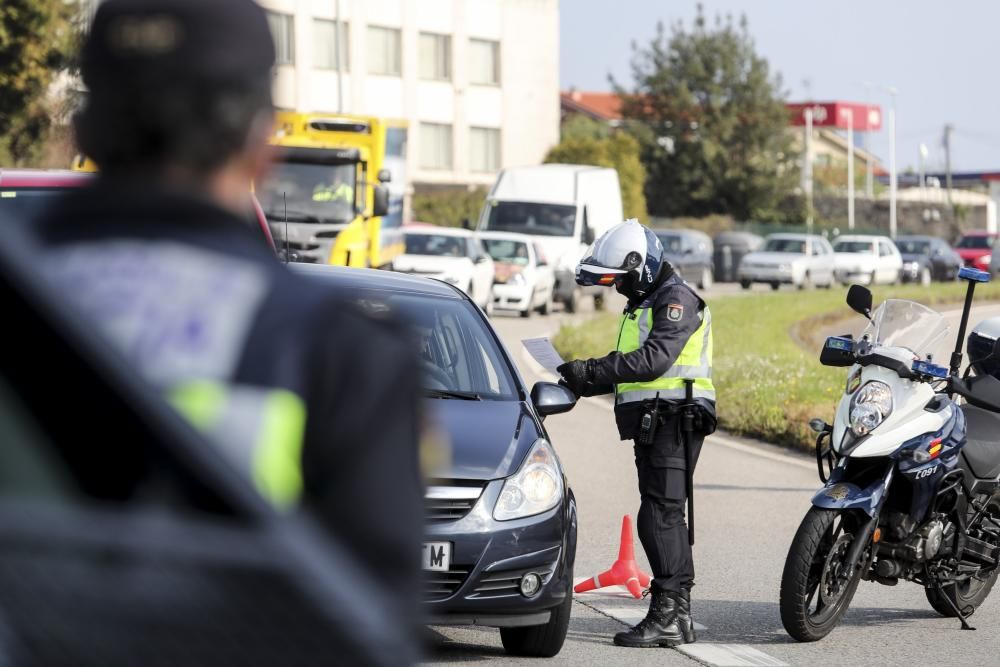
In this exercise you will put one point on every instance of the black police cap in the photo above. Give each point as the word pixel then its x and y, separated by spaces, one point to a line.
pixel 156 42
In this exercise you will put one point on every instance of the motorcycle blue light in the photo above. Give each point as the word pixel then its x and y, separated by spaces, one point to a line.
pixel 927 368
pixel 969 273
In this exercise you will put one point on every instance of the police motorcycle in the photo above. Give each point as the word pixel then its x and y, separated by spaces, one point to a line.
pixel 911 466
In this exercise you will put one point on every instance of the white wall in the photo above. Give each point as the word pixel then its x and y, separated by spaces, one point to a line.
pixel 524 107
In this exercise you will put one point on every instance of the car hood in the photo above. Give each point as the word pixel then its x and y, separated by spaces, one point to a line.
pixel 430 264
pixel 488 439
pixel 851 260
pixel 773 258
pixel 972 253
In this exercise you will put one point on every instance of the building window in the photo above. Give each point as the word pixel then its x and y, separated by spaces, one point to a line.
pixel 326 40
pixel 283 32
pixel 484 149
pixel 484 62
pixel 435 57
pixel 384 51
pixel 435 146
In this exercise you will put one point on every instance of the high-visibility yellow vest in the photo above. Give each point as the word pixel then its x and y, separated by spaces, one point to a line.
pixel 342 192
pixel 694 361
pixel 259 430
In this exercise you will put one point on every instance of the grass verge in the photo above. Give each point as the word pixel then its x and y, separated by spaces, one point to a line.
pixel 768 385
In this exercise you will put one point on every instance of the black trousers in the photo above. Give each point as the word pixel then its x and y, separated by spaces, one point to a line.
pixel 662 530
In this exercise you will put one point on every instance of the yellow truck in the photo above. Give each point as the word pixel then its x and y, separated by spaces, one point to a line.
pixel 335 193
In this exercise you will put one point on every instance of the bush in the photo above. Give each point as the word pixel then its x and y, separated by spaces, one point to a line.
pixel 449 207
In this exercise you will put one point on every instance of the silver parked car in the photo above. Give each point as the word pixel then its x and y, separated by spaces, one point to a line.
pixel 802 260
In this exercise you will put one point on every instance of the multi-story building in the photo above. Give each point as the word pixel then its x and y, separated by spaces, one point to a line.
pixel 477 80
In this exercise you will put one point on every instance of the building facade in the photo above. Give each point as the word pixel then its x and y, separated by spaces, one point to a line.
pixel 476 80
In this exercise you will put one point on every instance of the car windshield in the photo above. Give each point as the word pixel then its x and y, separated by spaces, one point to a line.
pixel 506 250
pixel 977 242
pixel 459 357
pixel 785 245
pixel 531 218
pixel 913 247
pixel 440 245
pixel 671 243
pixel 865 247
pixel 907 324
pixel 316 193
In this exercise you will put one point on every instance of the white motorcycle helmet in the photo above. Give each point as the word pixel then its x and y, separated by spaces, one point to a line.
pixel 628 256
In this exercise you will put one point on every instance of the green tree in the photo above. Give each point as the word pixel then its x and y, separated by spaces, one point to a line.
pixel 38 38
pixel 449 207
pixel 711 122
pixel 589 142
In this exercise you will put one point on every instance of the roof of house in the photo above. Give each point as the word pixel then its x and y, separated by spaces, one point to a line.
pixel 600 106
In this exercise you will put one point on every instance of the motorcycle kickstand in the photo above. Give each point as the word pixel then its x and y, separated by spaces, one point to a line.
pixel 954 607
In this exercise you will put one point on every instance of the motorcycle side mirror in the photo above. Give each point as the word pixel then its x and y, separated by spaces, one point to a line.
pixel 860 300
pixel 819 426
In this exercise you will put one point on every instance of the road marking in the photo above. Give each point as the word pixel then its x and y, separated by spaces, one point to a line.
pixel 729 655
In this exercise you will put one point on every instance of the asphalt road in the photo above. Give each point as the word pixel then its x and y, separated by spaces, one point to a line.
pixel 750 499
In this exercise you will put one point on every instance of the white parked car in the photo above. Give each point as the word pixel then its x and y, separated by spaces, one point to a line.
pixel 802 260
pixel 452 255
pixel 866 260
pixel 523 280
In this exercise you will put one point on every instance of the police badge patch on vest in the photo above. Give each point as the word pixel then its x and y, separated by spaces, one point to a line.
pixel 675 312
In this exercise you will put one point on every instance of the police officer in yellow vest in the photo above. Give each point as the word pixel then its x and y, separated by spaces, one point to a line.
pixel 664 340
pixel 314 402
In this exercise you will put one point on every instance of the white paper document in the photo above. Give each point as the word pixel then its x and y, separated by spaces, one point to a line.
pixel 543 352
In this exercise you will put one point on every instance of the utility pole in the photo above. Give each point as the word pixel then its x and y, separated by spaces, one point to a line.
pixel 850 169
pixel 948 129
pixel 869 173
pixel 892 164
pixel 807 167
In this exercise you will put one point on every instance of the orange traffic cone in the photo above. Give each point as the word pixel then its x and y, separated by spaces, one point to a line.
pixel 624 572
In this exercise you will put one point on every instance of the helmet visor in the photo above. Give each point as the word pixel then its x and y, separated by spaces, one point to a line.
pixel 591 274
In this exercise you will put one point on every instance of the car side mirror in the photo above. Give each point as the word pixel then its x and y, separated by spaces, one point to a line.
pixel 550 398
pixel 380 203
pixel 384 175
pixel 588 235
pixel 859 298
pixel 481 258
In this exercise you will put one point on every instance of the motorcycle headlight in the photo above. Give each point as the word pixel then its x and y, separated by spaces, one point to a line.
pixel 535 488
pixel 869 407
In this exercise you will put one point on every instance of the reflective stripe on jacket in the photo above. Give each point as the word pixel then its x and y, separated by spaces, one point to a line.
pixel 694 361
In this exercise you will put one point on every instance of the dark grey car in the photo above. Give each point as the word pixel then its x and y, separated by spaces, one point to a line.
pixel 690 253
pixel 927 258
pixel 730 248
pixel 501 517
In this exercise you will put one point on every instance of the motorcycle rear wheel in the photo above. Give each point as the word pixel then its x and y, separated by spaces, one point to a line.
pixel 971 593
pixel 814 593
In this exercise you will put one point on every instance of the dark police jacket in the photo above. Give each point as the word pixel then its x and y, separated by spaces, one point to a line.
pixel 662 347
pixel 187 290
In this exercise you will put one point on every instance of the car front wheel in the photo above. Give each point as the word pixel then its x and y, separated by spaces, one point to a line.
pixel 540 641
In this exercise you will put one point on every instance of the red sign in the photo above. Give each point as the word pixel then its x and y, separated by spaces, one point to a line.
pixel 863 117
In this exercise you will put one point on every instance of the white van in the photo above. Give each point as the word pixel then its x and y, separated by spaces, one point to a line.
pixel 564 207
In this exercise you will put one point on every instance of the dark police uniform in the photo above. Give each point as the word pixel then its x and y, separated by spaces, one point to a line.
pixel 663 339
pixel 313 400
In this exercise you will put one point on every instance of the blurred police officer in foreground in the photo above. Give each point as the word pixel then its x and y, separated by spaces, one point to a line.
pixel 661 370
pixel 313 401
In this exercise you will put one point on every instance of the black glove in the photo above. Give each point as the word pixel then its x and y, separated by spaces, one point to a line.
pixel 577 374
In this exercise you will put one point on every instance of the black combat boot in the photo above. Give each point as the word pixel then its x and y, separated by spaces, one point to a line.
pixel 668 623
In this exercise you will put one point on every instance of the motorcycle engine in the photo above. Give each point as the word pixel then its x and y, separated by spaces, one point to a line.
pixel 932 536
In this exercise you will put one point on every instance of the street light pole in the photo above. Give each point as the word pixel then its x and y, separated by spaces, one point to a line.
pixel 807 168
pixel 850 169
pixel 869 172
pixel 337 60
pixel 892 164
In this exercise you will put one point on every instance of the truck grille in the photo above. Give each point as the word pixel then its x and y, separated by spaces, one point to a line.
pixel 441 585
pixel 449 503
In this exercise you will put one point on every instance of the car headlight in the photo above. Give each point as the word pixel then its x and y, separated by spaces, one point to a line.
pixel 518 279
pixel 535 488
pixel 784 268
pixel 986 259
pixel 910 266
pixel 870 406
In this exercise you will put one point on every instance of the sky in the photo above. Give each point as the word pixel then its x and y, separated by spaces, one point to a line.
pixel 943 59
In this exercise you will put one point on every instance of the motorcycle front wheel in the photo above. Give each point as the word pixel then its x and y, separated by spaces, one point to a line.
pixel 816 589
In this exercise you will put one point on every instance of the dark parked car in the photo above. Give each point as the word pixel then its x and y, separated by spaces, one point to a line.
pixel 927 258
pixel 729 250
pixel 501 518
pixel 690 252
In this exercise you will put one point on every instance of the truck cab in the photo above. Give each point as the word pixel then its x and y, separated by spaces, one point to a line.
pixel 564 208
pixel 327 197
